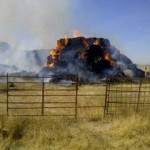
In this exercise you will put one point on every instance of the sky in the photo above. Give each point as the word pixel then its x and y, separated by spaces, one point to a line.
pixel 37 24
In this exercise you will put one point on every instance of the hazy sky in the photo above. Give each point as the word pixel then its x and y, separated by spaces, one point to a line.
pixel 30 24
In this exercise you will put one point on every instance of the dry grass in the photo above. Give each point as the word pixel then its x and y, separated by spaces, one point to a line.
pixel 132 132
pixel 63 133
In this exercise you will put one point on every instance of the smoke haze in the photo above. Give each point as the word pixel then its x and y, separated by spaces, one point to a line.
pixel 37 24
pixel 30 24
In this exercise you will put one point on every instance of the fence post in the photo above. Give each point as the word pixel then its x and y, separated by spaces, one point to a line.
pixel 105 106
pixel 139 92
pixel 7 94
pixel 107 98
pixel 43 86
pixel 76 99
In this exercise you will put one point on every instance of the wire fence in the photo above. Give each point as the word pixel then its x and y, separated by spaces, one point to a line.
pixel 37 96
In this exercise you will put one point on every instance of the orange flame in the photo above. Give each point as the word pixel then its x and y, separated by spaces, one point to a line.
pixel 85 43
pixel 76 33
pixel 51 65
pixel 54 55
pixel 66 39
pixel 107 57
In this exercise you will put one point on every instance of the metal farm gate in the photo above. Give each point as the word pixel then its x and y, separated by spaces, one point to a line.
pixel 35 96
pixel 31 96
pixel 127 97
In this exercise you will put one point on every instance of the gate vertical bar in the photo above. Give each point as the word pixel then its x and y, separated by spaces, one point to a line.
pixel 139 93
pixel 7 94
pixel 43 86
pixel 105 106
pixel 108 97
pixel 76 99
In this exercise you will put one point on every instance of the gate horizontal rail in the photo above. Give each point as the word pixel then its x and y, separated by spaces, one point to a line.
pixel 15 95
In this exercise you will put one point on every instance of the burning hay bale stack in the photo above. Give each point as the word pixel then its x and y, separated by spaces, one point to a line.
pixel 89 58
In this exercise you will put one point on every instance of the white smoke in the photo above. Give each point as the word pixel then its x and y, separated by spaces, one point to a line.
pixel 30 24
pixel 128 73
pixel 16 58
pixel 123 68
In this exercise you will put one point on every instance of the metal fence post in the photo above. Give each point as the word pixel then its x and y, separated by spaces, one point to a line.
pixel 105 106
pixel 107 93
pixel 7 94
pixel 76 99
pixel 43 86
pixel 139 93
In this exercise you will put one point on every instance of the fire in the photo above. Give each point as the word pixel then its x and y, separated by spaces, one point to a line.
pixel 76 33
pixel 66 39
pixel 107 57
pixel 58 46
pixel 51 65
pixel 53 54
pixel 85 43
pixel 52 58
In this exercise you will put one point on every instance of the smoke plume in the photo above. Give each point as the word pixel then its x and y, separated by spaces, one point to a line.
pixel 14 60
pixel 30 24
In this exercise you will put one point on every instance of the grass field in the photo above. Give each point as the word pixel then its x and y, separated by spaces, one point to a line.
pixel 44 133
pixel 90 132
